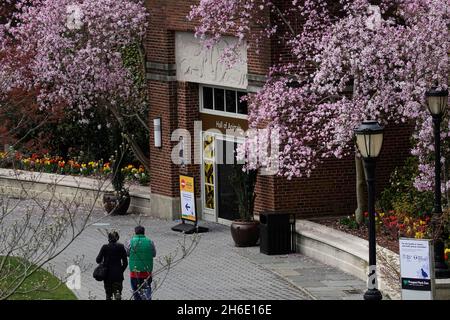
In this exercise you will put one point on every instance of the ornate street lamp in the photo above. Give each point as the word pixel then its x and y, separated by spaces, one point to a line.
pixel 437 101
pixel 369 139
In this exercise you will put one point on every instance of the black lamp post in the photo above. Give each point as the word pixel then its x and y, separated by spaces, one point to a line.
pixel 369 139
pixel 437 101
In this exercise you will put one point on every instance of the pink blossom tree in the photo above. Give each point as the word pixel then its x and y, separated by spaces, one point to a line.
pixel 350 60
pixel 76 53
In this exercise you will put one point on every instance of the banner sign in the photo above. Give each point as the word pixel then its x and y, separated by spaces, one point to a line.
pixel 187 197
pixel 417 269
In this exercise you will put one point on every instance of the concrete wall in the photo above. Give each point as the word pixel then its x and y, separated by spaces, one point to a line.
pixel 23 184
pixel 351 254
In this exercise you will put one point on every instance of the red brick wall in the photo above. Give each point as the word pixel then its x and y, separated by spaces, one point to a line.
pixel 265 195
pixel 176 103
pixel 188 113
pixel 163 104
pixel 167 16
pixel 331 188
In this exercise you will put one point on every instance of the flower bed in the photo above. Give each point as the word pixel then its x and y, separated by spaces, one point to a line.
pixel 389 228
pixel 59 165
pixel 401 211
pixel 361 232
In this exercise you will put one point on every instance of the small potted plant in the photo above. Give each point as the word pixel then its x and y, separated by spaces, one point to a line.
pixel 245 230
pixel 118 201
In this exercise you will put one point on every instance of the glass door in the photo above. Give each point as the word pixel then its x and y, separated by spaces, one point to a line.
pixel 219 200
pixel 209 178
pixel 227 205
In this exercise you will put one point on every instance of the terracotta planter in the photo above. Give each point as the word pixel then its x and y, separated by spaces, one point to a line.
pixel 115 206
pixel 245 233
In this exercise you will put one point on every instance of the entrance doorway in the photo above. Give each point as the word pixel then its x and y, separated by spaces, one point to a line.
pixel 226 163
pixel 219 161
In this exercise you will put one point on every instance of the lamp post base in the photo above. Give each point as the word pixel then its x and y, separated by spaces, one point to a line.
pixel 373 294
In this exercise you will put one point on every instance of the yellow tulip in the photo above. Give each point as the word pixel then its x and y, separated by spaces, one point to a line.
pixel 419 235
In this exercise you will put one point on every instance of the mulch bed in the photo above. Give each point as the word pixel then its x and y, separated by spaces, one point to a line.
pixel 383 240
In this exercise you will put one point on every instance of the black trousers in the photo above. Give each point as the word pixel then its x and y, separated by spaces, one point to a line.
pixel 113 290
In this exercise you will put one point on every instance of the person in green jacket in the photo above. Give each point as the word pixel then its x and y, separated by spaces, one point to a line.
pixel 141 251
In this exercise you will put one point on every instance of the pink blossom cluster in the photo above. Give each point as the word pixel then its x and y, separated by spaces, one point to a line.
pixel 351 61
pixel 70 51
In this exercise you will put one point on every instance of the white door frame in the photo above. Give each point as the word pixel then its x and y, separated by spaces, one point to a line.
pixel 209 214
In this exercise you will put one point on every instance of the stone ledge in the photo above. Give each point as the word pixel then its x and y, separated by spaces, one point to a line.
pixel 443 289
pixel 38 182
pixel 70 181
pixel 335 238
pixel 350 254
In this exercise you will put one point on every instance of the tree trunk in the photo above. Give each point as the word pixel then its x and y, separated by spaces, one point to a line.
pixel 361 195
pixel 135 148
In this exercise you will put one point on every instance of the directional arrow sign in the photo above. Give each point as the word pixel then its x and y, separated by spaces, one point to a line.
pixel 187 197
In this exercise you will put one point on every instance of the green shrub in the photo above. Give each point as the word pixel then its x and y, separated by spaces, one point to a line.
pixel 350 222
pixel 401 196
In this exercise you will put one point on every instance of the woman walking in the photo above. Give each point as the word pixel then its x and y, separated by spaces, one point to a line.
pixel 114 259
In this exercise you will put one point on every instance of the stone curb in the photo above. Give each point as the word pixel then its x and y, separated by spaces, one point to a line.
pixel 350 254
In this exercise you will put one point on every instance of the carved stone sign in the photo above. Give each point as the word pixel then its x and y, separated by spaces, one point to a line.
pixel 196 64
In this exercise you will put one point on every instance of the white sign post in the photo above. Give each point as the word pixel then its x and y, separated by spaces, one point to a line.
pixel 417 269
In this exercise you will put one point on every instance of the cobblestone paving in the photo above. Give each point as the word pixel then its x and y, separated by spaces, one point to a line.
pixel 215 270
pixel 318 280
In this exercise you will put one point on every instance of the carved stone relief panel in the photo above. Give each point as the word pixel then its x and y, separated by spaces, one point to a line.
pixel 195 64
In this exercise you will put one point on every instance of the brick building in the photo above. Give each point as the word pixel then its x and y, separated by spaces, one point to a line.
pixel 186 85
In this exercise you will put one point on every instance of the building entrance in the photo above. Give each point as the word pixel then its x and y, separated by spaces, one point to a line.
pixel 226 163
pixel 218 196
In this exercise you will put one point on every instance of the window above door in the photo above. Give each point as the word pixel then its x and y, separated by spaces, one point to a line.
pixel 223 101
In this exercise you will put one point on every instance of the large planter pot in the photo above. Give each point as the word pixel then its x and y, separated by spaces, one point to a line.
pixel 245 233
pixel 115 204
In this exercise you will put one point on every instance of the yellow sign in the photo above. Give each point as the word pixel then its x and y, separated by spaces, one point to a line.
pixel 187 197
pixel 186 184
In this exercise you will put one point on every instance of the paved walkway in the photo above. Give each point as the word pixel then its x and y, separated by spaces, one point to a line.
pixel 216 269
pixel 316 279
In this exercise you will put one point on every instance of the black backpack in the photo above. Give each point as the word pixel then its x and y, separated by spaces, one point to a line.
pixel 99 272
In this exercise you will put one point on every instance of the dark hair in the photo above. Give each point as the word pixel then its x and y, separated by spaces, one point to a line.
pixel 113 236
pixel 139 230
